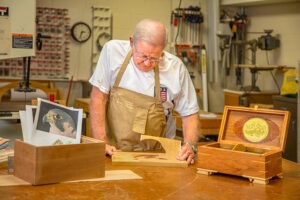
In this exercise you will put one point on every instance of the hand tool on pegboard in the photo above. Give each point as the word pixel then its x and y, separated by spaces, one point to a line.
pixel 186 21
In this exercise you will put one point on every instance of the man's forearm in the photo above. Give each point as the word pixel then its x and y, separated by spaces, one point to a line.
pixel 97 114
pixel 191 127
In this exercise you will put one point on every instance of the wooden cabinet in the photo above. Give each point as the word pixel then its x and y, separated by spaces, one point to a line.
pixel 241 98
pixel 290 104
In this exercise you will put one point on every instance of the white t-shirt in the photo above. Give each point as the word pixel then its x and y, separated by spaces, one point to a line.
pixel 177 90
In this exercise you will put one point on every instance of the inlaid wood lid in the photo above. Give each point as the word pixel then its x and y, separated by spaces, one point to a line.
pixel 263 128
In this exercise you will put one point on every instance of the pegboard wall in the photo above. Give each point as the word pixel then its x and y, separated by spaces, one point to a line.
pixel 186 33
pixel 102 31
pixel 52 53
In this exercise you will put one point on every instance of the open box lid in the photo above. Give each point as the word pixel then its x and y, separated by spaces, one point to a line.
pixel 261 128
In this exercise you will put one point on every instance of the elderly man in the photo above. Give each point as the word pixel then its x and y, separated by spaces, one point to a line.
pixel 136 86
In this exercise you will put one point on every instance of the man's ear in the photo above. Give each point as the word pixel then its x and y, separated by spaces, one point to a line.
pixel 131 41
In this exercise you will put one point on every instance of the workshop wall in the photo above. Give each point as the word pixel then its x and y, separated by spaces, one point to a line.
pixel 125 15
pixel 283 18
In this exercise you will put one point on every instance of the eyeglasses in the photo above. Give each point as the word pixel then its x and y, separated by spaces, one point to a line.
pixel 144 58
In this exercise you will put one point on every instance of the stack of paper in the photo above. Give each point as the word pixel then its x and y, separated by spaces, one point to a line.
pixel 50 123
pixel 4 153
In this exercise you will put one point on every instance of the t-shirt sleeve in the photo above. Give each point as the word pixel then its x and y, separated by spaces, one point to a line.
pixel 101 76
pixel 186 102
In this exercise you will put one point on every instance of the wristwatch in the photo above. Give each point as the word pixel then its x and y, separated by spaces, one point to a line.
pixel 194 148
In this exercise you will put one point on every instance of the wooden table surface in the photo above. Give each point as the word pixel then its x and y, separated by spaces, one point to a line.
pixel 163 183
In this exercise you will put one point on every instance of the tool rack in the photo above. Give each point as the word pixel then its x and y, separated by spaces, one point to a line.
pixel 102 31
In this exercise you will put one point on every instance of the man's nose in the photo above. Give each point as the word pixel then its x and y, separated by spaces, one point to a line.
pixel 147 62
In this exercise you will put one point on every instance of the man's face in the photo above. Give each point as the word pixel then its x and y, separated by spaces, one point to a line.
pixel 146 56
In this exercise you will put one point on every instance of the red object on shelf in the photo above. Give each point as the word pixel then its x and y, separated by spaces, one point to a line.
pixel 52 97
pixel 175 22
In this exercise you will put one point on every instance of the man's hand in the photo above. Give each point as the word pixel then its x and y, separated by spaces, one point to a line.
pixel 187 153
pixel 110 149
pixel 190 127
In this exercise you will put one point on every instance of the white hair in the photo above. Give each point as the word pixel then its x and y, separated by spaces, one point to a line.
pixel 151 31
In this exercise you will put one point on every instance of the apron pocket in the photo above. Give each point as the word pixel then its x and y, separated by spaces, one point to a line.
pixel 140 120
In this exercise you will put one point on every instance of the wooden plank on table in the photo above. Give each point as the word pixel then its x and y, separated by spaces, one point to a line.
pixel 146 159
pixel 171 147
pixel 11 180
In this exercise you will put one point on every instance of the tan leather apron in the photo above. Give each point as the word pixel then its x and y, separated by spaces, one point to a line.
pixel 130 114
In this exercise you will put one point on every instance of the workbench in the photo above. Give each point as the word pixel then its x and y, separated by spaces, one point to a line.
pixel 163 183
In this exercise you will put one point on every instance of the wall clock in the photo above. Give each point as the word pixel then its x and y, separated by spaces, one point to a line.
pixel 81 32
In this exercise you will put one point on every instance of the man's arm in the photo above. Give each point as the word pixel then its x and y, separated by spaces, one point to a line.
pixel 98 117
pixel 190 127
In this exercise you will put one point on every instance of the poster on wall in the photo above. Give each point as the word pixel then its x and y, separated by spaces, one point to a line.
pixel 5 30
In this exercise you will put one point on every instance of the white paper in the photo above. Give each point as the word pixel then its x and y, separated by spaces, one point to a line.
pixel 26 137
pixel 30 114
pixel 26 118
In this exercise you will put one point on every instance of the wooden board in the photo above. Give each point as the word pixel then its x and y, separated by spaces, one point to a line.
pixel 146 159
pixel 10 180
pixel 171 147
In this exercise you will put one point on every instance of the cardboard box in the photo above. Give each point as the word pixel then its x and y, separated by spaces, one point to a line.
pixel 53 164
pixel 250 144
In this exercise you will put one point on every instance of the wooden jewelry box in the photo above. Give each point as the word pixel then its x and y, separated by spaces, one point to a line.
pixel 250 144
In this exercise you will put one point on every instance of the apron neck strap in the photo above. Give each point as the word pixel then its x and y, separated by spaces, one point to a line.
pixel 123 68
pixel 157 83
